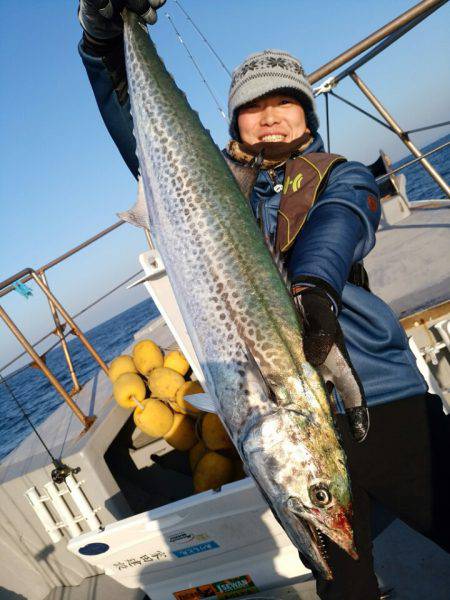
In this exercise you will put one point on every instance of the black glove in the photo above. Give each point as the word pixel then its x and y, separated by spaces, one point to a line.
pixel 324 348
pixel 101 19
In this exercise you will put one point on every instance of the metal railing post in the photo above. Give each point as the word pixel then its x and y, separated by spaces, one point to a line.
pixel 75 329
pixel 60 333
pixel 401 134
pixel 85 420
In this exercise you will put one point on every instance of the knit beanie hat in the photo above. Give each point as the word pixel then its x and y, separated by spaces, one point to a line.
pixel 266 72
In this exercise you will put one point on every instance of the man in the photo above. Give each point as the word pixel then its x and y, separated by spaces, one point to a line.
pixel 320 213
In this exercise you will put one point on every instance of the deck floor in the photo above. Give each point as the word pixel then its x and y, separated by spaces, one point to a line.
pixel 408 268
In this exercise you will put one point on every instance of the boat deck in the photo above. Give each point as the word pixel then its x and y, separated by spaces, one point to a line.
pixel 409 266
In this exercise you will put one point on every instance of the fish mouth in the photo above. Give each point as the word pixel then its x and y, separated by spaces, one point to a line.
pixel 306 524
pixel 319 541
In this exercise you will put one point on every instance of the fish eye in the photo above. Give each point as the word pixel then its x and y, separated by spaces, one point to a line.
pixel 320 495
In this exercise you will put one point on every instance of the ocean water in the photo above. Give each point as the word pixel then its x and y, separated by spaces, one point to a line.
pixel 37 395
pixel 420 185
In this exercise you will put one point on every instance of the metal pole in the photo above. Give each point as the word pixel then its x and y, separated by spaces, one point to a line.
pixel 374 38
pixel 75 329
pixel 327 110
pixel 401 134
pixel 25 276
pixel 149 239
pixel 411 162
pixel 393 37
pixel 85 420
pixel 60 333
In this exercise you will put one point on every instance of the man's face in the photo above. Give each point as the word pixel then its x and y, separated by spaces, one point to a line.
pixel 275 118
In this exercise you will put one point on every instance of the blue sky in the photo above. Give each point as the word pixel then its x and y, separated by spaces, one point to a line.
pixel 62 179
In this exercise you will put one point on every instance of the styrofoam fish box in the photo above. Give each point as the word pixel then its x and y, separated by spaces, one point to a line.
pixel 225 540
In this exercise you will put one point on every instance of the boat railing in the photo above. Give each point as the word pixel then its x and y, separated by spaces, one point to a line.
pixel 377 42
pixel 65 324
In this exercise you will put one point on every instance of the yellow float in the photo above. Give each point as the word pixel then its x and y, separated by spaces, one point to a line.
pixel 147 356
pixel 188 388
pixel 175 360
pixel 129 390
pixel 121 364
pixel 212 471
pixel 164 382
pixel 214 434
pixel 155 419
pixel 182 434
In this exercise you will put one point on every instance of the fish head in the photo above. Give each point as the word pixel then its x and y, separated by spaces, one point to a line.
pixel 302 474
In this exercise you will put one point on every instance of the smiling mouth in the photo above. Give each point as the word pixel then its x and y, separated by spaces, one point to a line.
pixel 273 137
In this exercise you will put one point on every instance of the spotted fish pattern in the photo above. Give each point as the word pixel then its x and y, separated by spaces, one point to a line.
pixel 242 322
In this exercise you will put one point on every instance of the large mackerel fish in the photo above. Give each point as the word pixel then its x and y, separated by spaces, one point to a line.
pixel 240 317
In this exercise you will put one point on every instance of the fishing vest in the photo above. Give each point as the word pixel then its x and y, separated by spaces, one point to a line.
pixel 305 179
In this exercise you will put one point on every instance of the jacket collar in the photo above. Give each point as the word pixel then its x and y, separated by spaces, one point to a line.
pixel 315 146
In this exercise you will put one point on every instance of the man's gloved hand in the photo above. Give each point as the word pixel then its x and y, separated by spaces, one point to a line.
pixel 324 348
pixel 101 19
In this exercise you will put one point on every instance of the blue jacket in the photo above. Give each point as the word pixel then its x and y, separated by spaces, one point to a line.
pixel 340 230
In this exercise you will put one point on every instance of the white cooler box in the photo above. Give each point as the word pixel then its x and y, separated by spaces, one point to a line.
pixel 214 544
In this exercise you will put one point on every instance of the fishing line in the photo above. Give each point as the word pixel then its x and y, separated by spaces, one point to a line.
pixel 61 470
pixel 13 396
pixel 180 39
pixel 223 65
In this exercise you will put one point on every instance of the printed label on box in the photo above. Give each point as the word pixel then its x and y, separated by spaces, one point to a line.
pixel 228 588
pixel 189 550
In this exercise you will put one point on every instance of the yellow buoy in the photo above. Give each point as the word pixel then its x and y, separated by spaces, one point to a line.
pixel 212 471
pixel 147 356
pixel 214 434
pixel 175 360
pixel 188 388
pixel 155 419
pixel 164 382
pixel 121 364
pixel 182 434
pixel 196 452
pixel 127 388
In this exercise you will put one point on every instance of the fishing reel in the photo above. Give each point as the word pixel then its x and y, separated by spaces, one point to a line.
pixel 61 471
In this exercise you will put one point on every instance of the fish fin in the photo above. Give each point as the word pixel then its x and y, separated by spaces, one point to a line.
pixel 255 375
pixel 202 402
pixel 138 214
pixel 339 370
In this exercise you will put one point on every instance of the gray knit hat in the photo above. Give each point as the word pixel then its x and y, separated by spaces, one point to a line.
pixel 266 72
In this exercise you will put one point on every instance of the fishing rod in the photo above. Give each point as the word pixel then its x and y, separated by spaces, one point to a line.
pixel 194 62
pixel 61 470
pixel 203 37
